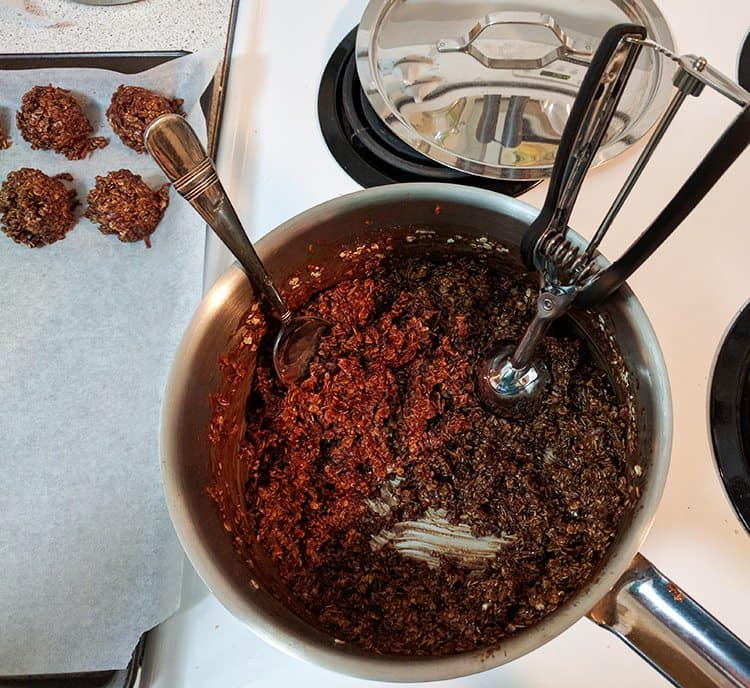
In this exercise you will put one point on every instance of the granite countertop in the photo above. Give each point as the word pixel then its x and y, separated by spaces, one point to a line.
pixel 28 26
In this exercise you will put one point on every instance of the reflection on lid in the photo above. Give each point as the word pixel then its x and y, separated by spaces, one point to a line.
pixel 486 87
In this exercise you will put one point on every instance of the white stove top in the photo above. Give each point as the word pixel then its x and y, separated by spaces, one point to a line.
pixel 275 164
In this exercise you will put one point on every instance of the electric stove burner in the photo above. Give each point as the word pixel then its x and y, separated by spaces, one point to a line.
pixel 730 387
pixel 730 414
pixel 364 145
pixel 743 66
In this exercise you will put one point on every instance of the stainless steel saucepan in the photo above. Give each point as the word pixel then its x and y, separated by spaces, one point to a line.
pixel 627 594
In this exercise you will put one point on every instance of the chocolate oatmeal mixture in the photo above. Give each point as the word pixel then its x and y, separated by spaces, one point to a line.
pixel 122 203
pixel 5 141
pixel 35 209
pixel 388 428
pixel 51 118
pixel 133 108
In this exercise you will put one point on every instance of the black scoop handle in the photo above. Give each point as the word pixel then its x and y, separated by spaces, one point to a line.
pixel 577 120
pixel 717 161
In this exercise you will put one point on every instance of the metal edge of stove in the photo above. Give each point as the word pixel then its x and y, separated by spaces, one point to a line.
pixel 216 118
pixel 212 103
pixel 215 113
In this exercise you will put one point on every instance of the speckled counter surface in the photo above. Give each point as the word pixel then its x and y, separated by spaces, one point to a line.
pixel 64 26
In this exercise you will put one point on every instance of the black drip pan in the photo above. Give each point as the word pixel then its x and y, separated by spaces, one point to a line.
pixel 743 66
pixel 729 405
pixel 729 412
pixel 366 148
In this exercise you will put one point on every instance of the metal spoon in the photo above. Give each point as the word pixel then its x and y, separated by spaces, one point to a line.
pixel 175 147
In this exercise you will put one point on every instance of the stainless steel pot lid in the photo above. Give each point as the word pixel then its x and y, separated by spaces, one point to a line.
pixel 486 87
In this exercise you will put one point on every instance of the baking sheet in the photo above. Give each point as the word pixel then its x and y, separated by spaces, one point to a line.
pixel 88 329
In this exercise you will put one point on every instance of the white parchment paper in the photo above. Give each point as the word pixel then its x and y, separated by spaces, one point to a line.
pixel 88 328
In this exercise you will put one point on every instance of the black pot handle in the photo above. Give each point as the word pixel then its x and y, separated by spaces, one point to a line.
pixel 570 145
pixel 717 161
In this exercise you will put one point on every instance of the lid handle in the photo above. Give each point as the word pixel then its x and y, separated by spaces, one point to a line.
pixel 466 43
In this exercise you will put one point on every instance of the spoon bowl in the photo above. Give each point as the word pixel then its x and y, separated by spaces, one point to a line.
pixel 296 343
